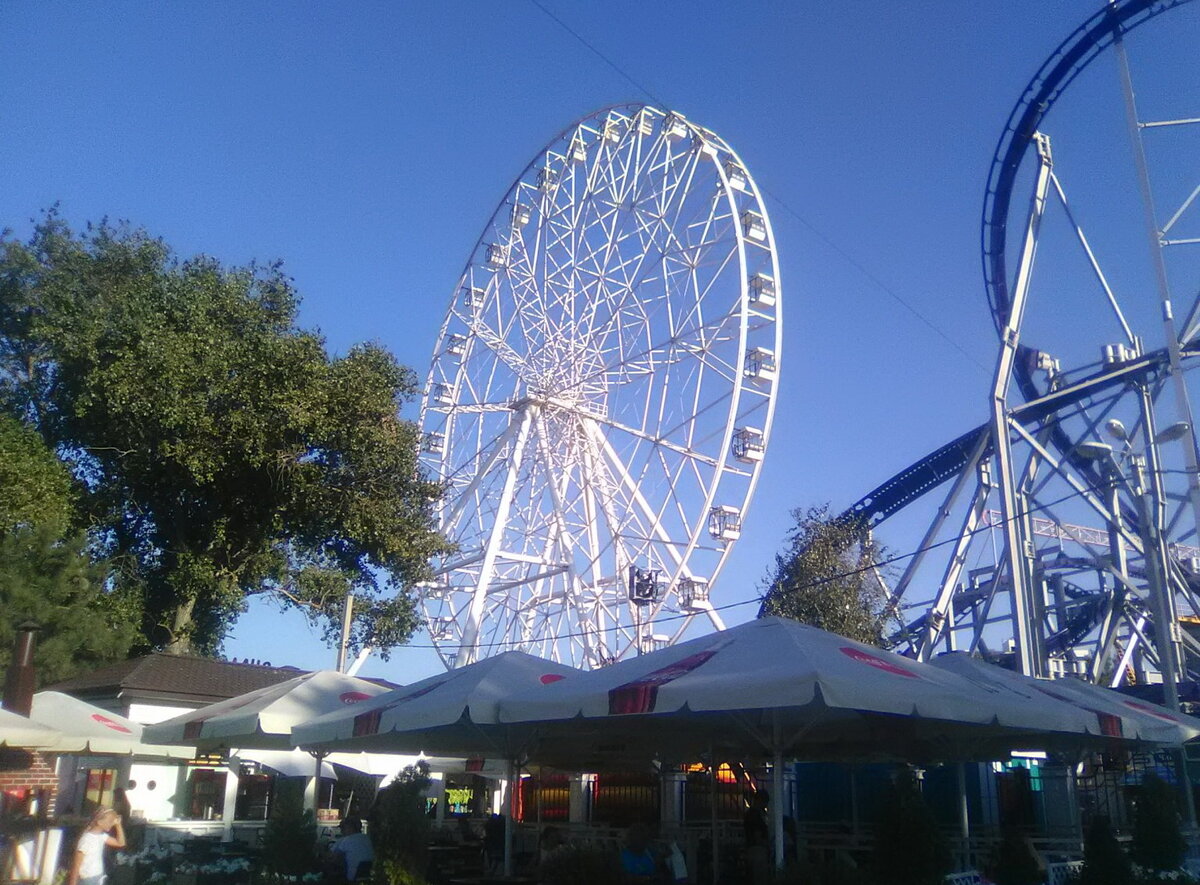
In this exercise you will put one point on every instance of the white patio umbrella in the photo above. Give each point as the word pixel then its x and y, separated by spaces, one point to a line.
pixel 263 719
pixel 20 732
pixel 1119 716
pixel 782 688
pixel 452 713
pixel 87 728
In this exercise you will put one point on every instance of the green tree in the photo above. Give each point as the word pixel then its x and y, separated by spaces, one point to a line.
pixel 46 573
pixel 826 577
pixel 53 582
pixel 35 487
pixel 222 451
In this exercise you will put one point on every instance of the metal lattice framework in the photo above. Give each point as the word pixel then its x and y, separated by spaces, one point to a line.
pixel 1071 515
pixel 601 394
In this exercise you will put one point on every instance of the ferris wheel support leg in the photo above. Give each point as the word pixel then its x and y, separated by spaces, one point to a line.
pixel 1013 504
pixel 468 648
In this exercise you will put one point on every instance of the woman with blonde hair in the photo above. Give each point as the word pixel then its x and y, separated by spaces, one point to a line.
pixel 87 864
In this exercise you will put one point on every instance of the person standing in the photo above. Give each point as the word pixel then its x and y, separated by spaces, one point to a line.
pixel 758 838
pixel 87 864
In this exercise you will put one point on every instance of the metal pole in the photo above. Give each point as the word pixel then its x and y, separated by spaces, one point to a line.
pixel 1012 503
pixel 712 813
pixel 344 644
pixel 777 804
pixel 964 815
pixel 508 818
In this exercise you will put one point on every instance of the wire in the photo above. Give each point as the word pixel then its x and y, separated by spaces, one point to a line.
pixel 758 600
pixel 812 228
pixel 600 55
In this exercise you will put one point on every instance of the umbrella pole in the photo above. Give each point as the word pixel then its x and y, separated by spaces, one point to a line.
pixel 318 758
pixel 964 815
pixel 777 806
pixel 508 820
pixel 712 813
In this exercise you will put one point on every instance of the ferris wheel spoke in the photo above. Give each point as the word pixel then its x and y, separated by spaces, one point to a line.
pixel 580 407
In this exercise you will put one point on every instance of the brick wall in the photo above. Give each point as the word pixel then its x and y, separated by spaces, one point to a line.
pixel 23 776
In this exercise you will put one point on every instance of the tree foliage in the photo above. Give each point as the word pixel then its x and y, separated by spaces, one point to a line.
pixel 221 451
pixel 46 573
pixel 54 583
pixel 826 577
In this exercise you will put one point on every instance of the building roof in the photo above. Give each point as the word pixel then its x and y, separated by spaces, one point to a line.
pixel 185 680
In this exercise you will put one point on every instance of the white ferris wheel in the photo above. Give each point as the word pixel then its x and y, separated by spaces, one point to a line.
pixel 601 395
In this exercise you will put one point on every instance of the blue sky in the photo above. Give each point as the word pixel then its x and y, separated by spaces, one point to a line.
pixel 367 145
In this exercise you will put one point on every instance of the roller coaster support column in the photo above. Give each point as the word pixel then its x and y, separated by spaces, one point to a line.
pixel 1013 506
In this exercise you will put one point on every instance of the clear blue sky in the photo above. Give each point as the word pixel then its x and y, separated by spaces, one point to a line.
pixel 367 144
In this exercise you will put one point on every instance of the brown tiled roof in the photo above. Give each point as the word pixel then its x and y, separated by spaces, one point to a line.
pixel 183 679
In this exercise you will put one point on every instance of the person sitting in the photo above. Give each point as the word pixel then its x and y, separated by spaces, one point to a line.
pixel 353 852
pixel 638 862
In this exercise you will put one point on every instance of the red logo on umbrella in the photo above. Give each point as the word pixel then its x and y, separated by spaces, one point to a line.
pixel 1144 708
pixel 353 697
pixel 640 695
pixel 879 663
pixel 366 724
pixel 110 723
pixel 547 678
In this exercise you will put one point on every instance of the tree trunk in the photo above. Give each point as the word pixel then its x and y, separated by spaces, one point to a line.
pixel 181 629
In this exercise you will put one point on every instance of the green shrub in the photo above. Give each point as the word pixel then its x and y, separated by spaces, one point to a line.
pixel 290 840
pixel 1104 861
pixel 1158 842
pixel 581 865
pixel 909 847
pixel 399 828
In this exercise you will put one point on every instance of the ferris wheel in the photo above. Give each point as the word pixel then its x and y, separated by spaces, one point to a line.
pixel 601 395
